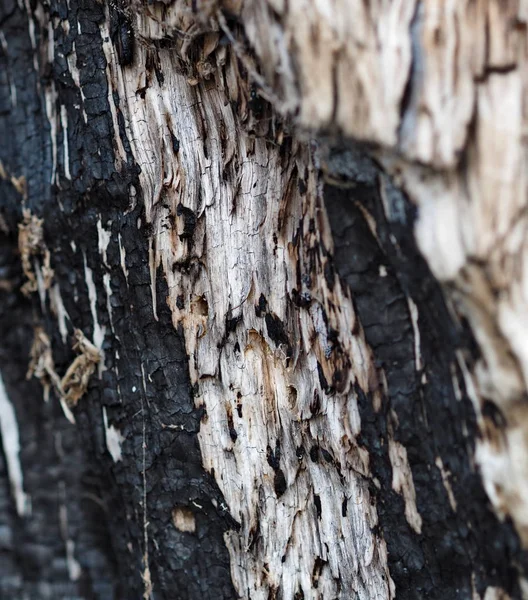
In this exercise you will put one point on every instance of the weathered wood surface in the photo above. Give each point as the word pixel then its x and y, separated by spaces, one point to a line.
pixel 293 233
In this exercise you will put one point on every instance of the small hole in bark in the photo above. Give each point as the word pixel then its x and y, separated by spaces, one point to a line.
pixel 292 397
pixel 200 306
pixel 232 322
pixel 175 143
pixel 260 308
pixel 327 456
pixel 274 456
pixel 231 426
pixel 317 502
pixel 279 483
pixel 316 573
pixel 315 405
pixel 314 453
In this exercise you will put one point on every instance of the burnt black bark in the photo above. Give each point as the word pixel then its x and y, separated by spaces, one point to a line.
pixel 456 548
pixel 114 509
pixel 68 489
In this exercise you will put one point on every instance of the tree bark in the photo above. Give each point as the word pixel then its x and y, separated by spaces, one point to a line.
pixel 263 300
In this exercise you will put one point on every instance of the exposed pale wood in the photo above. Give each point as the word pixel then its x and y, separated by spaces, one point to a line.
pixel 440 88
pixel 257 376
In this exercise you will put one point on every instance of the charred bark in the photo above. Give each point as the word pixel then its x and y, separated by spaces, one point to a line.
pixel 252 346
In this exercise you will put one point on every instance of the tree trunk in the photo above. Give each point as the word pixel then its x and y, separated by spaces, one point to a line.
pixel 263 300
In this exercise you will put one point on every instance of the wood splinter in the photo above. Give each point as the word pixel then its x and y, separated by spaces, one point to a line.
pixel 75 381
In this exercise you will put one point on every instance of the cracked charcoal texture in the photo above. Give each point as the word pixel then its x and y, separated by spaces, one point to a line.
pixel 453 545
pixel 58 474
pixel 69 465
